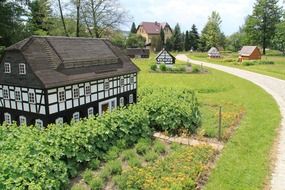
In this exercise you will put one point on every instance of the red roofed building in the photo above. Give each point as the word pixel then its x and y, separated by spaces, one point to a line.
pixel 152 29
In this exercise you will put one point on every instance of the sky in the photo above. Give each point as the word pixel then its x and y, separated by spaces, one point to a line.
pixel 189 12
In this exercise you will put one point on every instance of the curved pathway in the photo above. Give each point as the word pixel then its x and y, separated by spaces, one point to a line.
pixel 275 87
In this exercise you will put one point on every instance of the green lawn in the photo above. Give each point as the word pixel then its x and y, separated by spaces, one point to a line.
pixel 244 163
pixel 230 59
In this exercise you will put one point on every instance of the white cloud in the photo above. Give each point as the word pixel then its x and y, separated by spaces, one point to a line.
pixel 188 12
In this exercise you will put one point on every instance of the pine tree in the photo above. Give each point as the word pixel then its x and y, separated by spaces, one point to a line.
pixel 133 28
pixel 187 41
pixel 162 36
pixel 177 39
pixel 261 25
pixel 194 38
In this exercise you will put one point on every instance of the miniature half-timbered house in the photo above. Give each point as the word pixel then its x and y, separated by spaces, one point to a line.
pixel 249 53
pixel 164 57
pixel 138 52
pixel 56 79
pixel 214 53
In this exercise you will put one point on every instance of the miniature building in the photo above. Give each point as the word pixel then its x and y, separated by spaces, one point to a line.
pixel 56 79
pixel 150 30
pixel 138 52
pixel 164 57
pixel 249 53
pixel 214 53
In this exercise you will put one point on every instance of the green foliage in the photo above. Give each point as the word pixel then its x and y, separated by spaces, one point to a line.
pixel 135 41
pixel 162 67
pixel 261 25
pixel 143 146
pixel 120 181
pixel 150 156
pixel 187 41
pixel 128 154
pixel 78 187
pixel 133 28
pixel 118 39
pixel 112 154
pixel 97 183
pixel 153 67
pixel 156 43
pixel 94 164
pixel 87 176
pixel 159 147
pixel 105 173
pixel 279 37
pixel 195 69
pixel 134 162
pixel 194 38
pixel 177 38
pixel 114 166
pixel 261 62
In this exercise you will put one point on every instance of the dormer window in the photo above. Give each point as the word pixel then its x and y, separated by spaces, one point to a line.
pixel 22 69
pixel 7 68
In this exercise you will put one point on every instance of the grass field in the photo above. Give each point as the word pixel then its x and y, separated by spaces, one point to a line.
pixel 245 160
pixel 230 59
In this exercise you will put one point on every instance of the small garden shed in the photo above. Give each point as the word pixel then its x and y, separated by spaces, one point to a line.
pixel 164 57
pixel 249 53
pixel 214 53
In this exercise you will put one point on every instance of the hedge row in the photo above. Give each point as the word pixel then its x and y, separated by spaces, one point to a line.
pixel 33 158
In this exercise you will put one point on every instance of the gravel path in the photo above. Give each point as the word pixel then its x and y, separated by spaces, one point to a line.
pixel 275 87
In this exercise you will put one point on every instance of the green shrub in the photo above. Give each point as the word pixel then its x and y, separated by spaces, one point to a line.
pixel 114 166
pixel 105 173
pixel 248 63
pixel 134 162
pixel 142 146
pixel 120 181
pixel 196 69
pixel 264 62
pixel 150 156
pixel 153 67
pixel 78 187
pixel 112 154
pixel 128 154
pixel 97 183
pixel 162 67
pixel 87 176
pixel 94 164
pixel 159 147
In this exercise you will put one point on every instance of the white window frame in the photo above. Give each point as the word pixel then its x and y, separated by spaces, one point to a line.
pixel 22 120
pixel 18 97
pixel 7 118
pixel 31 97
pixel 132 80
pixel 7 68
pixel 131 98
pixel 106 85
pixel 39 123
pixel 122 81
pixel 87 90
pixel 90 111
pixel 22 68
pixel 122 101
pixel 75 92
pixel 76 116
pixel 110 102
pixel 6 95
pixel 61 97
pixel 59 121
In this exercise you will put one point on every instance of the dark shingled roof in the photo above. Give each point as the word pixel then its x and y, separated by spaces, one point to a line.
pixel 59 61
pixel 137 51
pixel 153 27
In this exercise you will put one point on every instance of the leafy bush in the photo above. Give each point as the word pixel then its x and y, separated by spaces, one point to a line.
pixel 87 176
pixel 120 181
pixel 159 147
pixel 97 183
pixel 105 173
pixel 162 67
pixel 264 62
pixel 150 156
pixel 260 62
pixel 196 69
pixel 143 146
pixel 248 63
pixel 94 164
pixel 128 154
pixel 112 154
pixel 134 162
pixel 153 67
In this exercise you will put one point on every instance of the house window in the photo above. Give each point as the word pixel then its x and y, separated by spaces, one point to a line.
pixel 22 69
pixel 5 93
pixel 31 97
pixel 90 111
pixel 132 80
pixel 7 118
pixel 23 120
pixel 61 96
pixel 122 101
pixel 17 95
pixel 87 90
pixel 106 85
pixel 59 121
pixel 7 68
pixel 76 116
pixel 75 93
pixel 122 81
pixel 131 98
pixel 39 123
